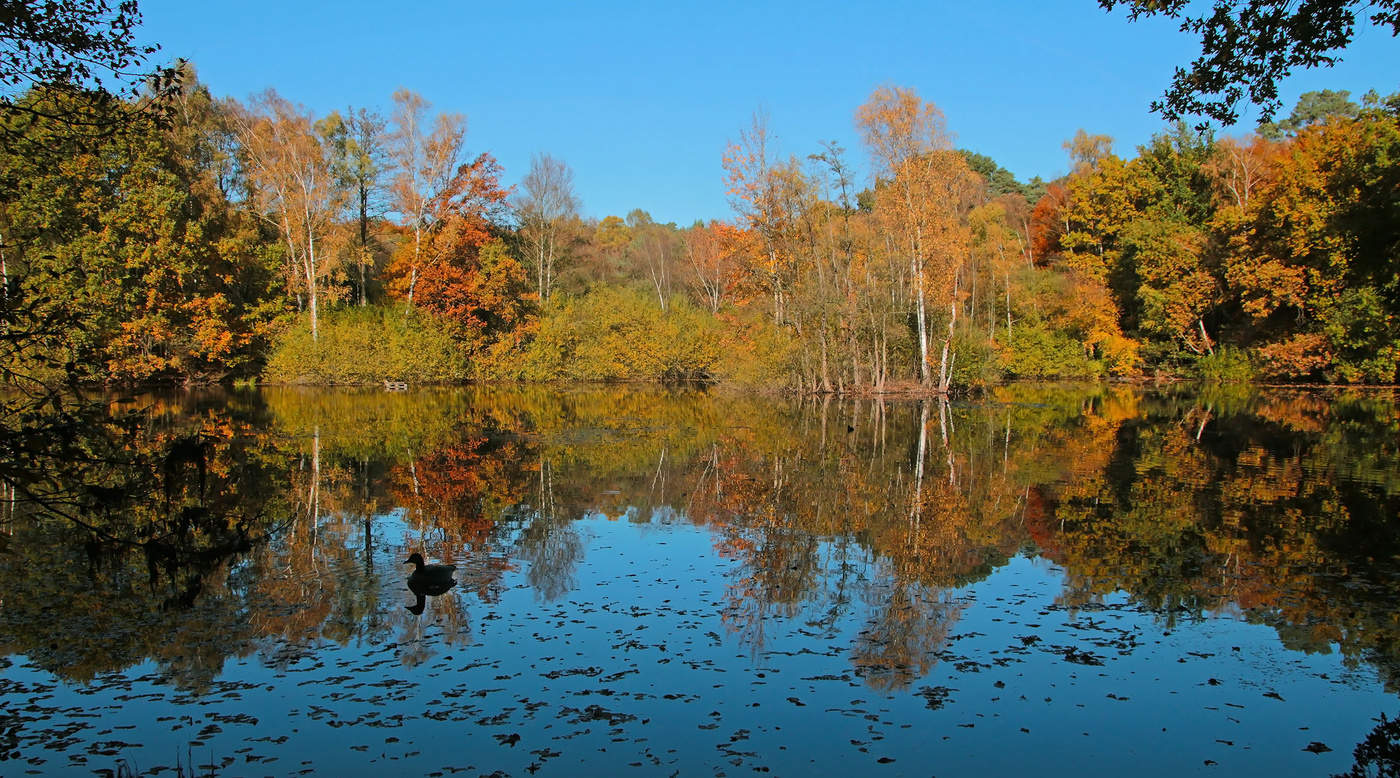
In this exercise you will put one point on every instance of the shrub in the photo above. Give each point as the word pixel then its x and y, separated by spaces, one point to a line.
pixel 1226 365
pixel 1036 352
pixel 975 361
pixel 623 335
pixel 755 352
pixel 366 346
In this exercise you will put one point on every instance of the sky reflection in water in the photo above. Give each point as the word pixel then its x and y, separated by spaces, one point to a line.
pixel 656 582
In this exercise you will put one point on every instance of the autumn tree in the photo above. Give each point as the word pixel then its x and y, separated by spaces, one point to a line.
pixel 426 154
pixel 467 213
pixel 762 190
pixel 545 203
pixel 149 270
pixel 289 165
pixel 656 247
pixel 1086 150
pixel 923 199
pixel 1238 168
pixel 998 251
pixel 610 243
pixel 1319 280
pixel 1175 288
pixel 1166 246
pixel 711 252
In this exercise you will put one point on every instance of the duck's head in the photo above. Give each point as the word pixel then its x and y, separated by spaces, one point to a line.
pixel 415 559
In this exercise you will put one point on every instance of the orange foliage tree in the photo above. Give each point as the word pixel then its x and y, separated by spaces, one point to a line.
pixel 923 200
pixel 460 270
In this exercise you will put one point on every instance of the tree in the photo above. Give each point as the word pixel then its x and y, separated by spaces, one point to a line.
pixel 657 246
pixel 132 240
pixel 545 203
pixel 450 271
pixel 1049 223
pixel 712 249
pixel 357 137
pixel 65 68
pixel 611 241
pixel 1312 108
pixel 1078 230
pixel 1248 46
pixel 289 165
pixel 1175 290
pixel 59 47
pixel 425 161
pixel 1239 167
pixel 762 191
pixel 1000 181
pixel 999 249
pixel 1319 280
pixel 926 193
pixel 1085 150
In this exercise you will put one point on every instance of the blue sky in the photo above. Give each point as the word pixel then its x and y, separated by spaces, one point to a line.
pixel 641 98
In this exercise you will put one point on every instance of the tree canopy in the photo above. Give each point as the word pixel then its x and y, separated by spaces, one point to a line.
pixel 52 47
pixel 1249 46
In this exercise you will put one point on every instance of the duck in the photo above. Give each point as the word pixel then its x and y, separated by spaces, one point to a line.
pixel 428 579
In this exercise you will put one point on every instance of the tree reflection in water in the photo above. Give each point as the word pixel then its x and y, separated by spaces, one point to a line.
pixel 1277 507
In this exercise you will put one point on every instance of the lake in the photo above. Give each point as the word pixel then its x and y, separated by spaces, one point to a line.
pixel 1064 579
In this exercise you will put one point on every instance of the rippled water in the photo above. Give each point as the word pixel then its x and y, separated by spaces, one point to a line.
pixel 1057 579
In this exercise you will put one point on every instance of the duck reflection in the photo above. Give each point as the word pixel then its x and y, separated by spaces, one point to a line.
pixel 427 581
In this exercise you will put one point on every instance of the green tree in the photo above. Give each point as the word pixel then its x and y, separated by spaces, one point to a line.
pixel 360 160
pixel 1312 108
pixel 1175 290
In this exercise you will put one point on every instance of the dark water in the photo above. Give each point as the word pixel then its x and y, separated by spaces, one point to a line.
pixel 1062 580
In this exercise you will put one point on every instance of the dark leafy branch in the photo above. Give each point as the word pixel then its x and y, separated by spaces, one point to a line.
pixel 1249 46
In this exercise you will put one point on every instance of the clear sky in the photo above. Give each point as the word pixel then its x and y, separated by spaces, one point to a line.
pixel 640 98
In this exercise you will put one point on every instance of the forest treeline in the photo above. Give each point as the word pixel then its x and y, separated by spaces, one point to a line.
pixel 256 240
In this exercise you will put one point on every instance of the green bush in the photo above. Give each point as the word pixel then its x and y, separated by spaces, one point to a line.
pixel 1226 365
pixel 975 359
pixel 623 335
pixel 1035 352
pixel 367 346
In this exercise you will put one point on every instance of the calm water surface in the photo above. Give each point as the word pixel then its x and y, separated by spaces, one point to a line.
pixel 1063 580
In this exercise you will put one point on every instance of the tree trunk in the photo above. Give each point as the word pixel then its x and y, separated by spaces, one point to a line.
pixel 917 500
pixel 922 318
pixel 310 264
pixel 826 373
pixel 413 272
pixel 1008 306
pixel 945 367
pixel 364 239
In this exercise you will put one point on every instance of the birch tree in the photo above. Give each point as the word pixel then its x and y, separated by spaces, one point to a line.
pixel 289 167
pixel 543 207
pixel 923 190
pixel 759 189
pixel 425 154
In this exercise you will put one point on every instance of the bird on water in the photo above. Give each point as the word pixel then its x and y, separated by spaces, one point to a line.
pixel 427 572
pixel 427 580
